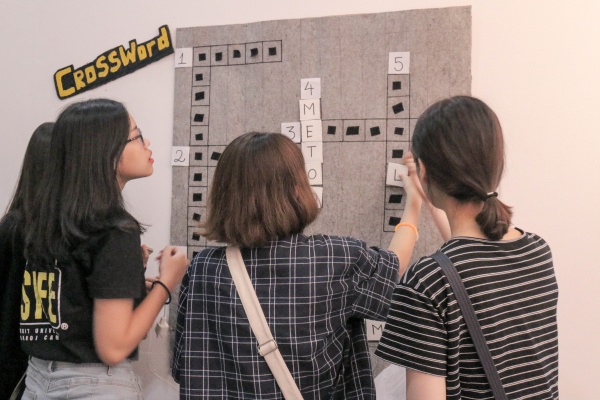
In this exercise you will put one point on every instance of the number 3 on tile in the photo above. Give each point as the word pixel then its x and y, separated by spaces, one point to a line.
pixel 399 63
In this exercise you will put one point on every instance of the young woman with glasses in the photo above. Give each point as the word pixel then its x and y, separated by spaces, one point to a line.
pixel 84 307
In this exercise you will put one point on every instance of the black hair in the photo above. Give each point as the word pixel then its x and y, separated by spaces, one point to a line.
pixel 30 177
pixel 80 195
pixel 32 169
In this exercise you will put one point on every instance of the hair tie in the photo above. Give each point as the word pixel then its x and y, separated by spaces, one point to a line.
pixel 490 194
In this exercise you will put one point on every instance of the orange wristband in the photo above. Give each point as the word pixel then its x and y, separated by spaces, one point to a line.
pixel 408 225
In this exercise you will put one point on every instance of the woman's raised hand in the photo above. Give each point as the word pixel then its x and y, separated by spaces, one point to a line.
pixel 173 263
pixel 412 185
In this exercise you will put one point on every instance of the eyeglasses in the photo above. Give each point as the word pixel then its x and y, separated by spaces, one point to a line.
pixel 136 137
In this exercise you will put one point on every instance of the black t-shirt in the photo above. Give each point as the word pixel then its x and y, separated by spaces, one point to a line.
pixel 58 300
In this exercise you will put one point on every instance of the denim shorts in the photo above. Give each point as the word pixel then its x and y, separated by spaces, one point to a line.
pixel 64 380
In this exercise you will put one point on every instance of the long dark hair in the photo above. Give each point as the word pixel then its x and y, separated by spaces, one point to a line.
pixel 35 162
pixel 260 192
pixel 80 195
pixel 459 140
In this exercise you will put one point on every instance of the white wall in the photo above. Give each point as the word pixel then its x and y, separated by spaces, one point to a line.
pixel 535 62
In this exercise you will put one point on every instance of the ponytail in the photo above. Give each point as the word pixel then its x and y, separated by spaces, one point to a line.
pixel 494 218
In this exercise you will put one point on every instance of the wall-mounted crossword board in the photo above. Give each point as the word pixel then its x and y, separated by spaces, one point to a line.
pixel 347 89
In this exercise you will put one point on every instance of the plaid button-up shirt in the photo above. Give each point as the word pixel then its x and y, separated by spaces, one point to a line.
pixel 315 292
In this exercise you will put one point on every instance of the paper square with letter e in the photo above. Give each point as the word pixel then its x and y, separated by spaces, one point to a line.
pixel 312 131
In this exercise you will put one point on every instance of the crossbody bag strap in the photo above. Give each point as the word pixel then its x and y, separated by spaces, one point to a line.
pixel 468 312
pixel 267 347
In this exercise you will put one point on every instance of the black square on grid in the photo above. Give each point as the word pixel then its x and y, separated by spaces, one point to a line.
pixel 395 199
pixel 198 156
pixel 196 217
pixel 202 57
pixel 399 131
pixel 331 129
pixel 398 108
pixel 272 51
pixel 398 153
pixel 375 131
pixel 394 221
pixel 219 56
pixel 397 85
pixel 199 136
pixel 199 96
pixel 198 177
pixel 352 130
pixel 253 52
pixel 197 197
pixel 237 54
pixel 215 156
pixel 198 117
pixel 199 77
pixel 195 236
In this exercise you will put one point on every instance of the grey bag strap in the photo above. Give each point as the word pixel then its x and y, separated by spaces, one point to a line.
pixel 468 312
pixel 267 347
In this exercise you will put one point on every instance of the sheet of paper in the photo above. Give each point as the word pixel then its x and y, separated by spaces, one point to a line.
pixel 374 329
pixel 399 63
pixel 312 131
pixel 315 173
pixel 180 156
pixel 318 190
pixel 390 384
pixel 393 174
pixel 291 130
pixel 310 88
pixel 312 151
pixel 310 109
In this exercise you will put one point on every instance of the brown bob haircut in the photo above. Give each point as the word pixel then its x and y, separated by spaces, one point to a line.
pixel 260 192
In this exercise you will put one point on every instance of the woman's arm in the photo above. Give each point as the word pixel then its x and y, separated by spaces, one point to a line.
pixel 421 386
pixel 404 239
pixel 118 327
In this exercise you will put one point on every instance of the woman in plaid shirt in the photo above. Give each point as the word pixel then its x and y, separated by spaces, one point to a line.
pixel 314 290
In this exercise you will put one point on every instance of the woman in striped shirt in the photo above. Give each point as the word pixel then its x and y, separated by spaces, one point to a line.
pixel 508 273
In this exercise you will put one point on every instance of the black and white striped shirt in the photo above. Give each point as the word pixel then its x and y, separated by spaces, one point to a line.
pixel 514 292
pixel 314 291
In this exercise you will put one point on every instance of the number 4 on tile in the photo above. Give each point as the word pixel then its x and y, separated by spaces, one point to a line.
pixel 310 88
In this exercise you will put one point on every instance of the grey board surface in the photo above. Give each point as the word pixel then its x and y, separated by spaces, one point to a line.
pixel 246 77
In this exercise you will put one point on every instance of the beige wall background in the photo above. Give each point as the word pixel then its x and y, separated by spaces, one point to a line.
pixel 537 63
